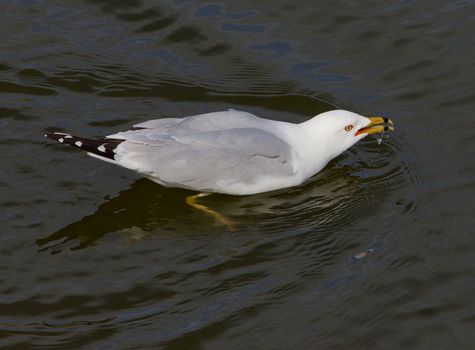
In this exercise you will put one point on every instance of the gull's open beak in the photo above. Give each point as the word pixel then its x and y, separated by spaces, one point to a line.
pixel 377 125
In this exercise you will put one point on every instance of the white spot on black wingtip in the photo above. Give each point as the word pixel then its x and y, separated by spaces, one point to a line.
pixel 78 143
pixel 68 137
pixel 61 140
pixel 101 148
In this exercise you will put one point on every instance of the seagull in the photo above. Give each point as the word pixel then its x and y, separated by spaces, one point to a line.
pixel 231 152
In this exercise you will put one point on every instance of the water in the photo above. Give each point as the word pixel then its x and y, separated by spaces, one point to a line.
pixel 376 251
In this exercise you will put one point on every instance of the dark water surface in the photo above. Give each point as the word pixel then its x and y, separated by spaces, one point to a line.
pixel 375 252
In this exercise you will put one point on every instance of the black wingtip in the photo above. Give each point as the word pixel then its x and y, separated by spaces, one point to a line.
pixel 57 136
pixel 104 147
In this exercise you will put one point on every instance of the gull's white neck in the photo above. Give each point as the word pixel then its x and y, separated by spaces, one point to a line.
pixel 312 147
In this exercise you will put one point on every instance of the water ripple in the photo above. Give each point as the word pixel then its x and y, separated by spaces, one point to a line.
pixel 378 244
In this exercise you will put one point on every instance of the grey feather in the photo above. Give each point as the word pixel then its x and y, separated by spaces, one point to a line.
pixel 158 129
pixel 206 153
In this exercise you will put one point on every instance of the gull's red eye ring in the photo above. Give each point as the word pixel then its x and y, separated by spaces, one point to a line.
pixel 348 127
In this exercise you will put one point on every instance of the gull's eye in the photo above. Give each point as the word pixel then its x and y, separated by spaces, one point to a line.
pixel 348 127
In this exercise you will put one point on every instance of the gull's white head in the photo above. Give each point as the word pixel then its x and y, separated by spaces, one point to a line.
pixel 336 131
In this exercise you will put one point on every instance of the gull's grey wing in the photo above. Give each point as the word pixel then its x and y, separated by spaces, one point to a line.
pixel 195 124
pixel 164 123
pixel 208 161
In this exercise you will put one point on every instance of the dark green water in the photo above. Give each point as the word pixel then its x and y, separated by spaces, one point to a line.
pixel 375 252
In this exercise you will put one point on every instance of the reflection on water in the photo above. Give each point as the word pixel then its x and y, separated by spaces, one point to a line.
pixel 331 200
pixel 377 247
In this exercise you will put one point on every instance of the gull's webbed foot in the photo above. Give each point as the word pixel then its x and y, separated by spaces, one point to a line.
pixel 192 200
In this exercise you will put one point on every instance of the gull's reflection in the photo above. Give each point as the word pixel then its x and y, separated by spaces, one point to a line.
pixel 147 208
pixel 140 205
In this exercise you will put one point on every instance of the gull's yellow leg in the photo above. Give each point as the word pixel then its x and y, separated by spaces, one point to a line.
pixel 192 200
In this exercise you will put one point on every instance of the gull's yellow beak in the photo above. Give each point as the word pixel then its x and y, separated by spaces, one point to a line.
pixel 377 125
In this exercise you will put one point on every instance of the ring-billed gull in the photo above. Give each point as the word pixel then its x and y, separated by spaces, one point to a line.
pixel 230 152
